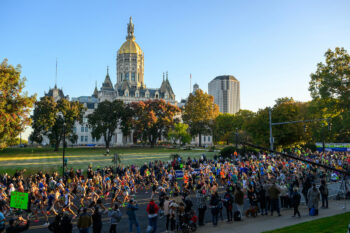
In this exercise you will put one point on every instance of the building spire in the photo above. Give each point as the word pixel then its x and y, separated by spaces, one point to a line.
pixel 56 75
pixel 130 30
pixel 108 70
pixel 167 76
pixel 163 76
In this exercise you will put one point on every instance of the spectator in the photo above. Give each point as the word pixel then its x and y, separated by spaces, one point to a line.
pixel 274 196
pixel 239 200
pixel 18 227
pixel 167 203
pixel 96 221
pixel 228 200
pixel 314 197
pixel 214 201
pixel 296 201
pixel 324 194
pixel 152 210
pixel 132 207
pixel 2 221
pixel 201 203
pixel 66 224
pixel 55 226
pixel 84 222
pixel 115 216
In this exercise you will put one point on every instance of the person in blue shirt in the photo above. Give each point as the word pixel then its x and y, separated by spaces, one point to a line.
pixel 2 221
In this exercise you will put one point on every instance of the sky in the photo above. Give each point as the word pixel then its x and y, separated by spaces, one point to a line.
pixel 271 47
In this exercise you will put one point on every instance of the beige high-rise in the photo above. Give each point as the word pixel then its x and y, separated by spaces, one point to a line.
pixel 226 92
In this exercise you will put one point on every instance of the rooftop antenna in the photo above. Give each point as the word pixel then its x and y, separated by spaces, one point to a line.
pixel 56 75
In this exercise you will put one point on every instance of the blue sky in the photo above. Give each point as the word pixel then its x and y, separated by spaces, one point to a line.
pixel 270 46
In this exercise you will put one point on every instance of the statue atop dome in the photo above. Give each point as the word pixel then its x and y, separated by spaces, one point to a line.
pixel 130 30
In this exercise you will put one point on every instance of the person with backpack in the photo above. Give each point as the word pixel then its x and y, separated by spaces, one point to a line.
pixel 152 210
pixel 116 215
pixel 228 201
pixel 296 201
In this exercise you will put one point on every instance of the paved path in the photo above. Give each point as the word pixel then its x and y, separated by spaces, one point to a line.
pixel 266 223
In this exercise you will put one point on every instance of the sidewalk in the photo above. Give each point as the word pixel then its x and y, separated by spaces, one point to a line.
pixel 266 223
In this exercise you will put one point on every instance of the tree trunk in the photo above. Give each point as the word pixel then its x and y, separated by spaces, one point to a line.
pixel 200 139
pixel 57 145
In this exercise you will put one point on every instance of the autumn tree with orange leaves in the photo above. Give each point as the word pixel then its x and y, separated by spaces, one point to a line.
pixel 152 119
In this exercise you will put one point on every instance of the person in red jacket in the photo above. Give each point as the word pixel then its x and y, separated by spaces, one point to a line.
pixel 152 210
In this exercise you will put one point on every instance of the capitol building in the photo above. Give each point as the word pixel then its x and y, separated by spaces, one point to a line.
pixel 129 87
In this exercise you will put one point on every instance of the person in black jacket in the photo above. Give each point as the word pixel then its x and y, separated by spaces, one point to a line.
pixel 214 202
pixel 55 226
pixel 16 227
pixel 296 201
pixel 66 224
pixel 97 221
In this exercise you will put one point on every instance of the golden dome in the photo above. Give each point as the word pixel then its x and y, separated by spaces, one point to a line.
pixel 130 46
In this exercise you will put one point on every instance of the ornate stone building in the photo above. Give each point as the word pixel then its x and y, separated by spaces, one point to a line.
pixel 129 87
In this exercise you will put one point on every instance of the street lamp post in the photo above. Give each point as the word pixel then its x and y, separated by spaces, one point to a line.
pixel 236 139
pixel 60 115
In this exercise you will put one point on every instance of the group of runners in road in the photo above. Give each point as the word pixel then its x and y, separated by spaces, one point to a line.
pixel 266 181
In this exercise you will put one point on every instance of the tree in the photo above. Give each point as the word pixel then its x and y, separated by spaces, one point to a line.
pixel 152 119
pixel 330 90
pixel 199 113
pixel 227 124
pixel 14 104
pixel 46 121
pixel 224 127
pixel 105 120
pixel 332 79
pixel 179 134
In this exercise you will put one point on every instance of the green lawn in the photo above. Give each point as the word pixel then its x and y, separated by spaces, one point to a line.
pixel 335 224
pixel 46 159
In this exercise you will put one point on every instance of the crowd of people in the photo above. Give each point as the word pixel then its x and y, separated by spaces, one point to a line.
pixel 182 191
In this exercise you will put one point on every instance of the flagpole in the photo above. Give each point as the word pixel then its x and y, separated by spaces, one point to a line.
pixel 190 83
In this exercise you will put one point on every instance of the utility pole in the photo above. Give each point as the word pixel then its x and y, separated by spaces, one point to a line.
pixel 271 138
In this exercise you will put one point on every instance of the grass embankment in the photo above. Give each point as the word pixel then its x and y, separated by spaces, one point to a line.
pixel 34 159
pixel 334 224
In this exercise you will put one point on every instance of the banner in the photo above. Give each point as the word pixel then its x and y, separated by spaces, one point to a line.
pixel 333 146
pixel 19 200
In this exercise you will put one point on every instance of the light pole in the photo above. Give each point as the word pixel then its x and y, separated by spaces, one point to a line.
pixel 60 115
pixel 271 138
pixel 237 139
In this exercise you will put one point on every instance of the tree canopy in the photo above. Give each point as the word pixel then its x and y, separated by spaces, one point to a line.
pixel 199 113
pixel 14 104
pixel 152 119
pixel 47 122
pixel 105 120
